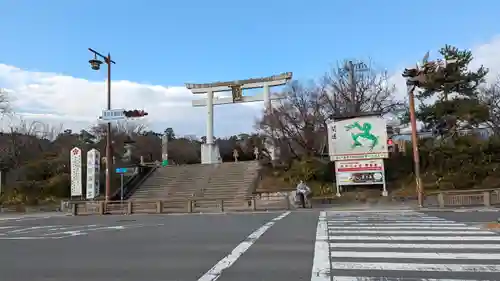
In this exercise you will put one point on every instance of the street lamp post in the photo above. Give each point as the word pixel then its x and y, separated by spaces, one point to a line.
pixel 95 64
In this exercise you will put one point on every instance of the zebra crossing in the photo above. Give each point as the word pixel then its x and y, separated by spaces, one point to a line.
pixel 402 245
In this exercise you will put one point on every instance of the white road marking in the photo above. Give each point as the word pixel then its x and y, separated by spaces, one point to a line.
pixel 352 278
pixel 63 227
pixel 417 223
pixel 321 261
pixel 418 238
pixel 215 272
pixel 393 236
pixel 333 213
pixel 416 267
pixel 454 227
pixel 414 246
pixel 30 229
pixel 390 221
pixel 470 232
pixel 413 255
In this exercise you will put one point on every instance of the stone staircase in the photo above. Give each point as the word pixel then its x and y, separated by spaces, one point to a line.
pixel 233 181
pixel 158 184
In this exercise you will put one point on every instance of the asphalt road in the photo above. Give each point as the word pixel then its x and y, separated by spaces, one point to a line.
pixel 155 248
pixel 279 246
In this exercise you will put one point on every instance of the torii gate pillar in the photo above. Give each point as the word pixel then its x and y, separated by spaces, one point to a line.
pixel 210 151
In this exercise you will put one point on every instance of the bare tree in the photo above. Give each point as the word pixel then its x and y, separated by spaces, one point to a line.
pixel 373 92
pixel 490 96
pixel 4 103
pixel 298 122
pixel 24 140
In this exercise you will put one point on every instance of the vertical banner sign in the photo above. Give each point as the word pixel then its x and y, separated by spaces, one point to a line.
pixel 76 171
pixel 358 138
pixel 93 173
pixel 332 138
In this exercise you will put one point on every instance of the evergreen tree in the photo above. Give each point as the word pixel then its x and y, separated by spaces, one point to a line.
pixel 455 92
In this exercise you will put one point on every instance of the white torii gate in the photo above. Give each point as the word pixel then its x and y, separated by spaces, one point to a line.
pixel 210 151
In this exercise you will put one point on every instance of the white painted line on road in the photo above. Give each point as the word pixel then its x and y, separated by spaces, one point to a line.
pixel 31 229
pixel 369 211
pixel 454 227
pixel 400 224
pixel 389 221
pixel 321 260
pixel 7 227
pixel 73 227
pixel 102 228
pixel 476 268
pixel 469 232
pixel 419 238
pixel 366 278
pixel 215 272
pixel 413 255
pixel 414 246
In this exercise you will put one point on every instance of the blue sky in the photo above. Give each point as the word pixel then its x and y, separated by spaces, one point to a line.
pixel 172 42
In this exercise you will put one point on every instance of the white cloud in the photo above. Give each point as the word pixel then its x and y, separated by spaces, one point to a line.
pixel 77 103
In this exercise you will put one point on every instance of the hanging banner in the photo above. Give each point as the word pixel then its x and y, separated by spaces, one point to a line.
pixel 76 171
pixel 358 138
pixel 359 172
pixel 93 173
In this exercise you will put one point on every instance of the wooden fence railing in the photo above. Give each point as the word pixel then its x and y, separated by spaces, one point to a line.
pixel 466 198
pixel 200 205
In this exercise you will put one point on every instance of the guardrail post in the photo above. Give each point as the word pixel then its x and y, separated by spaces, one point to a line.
pixel 440 198
pixel 486 198
pixel 222 206
pixel 159 207
pixel 129 207
pixel 190 206
pixel 102 208
pixel 254 204
pixel 74 209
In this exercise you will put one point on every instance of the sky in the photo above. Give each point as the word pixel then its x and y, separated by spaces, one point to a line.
pixel 160 45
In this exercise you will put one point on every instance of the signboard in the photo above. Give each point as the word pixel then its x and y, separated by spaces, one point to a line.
pixel 121 170
pixel 127 171
pixel 358 138
pixel 76 171
pixel 359 172
pixel 93 173
pixel 113 115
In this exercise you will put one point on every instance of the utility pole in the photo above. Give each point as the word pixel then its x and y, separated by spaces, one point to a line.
pixel 351 68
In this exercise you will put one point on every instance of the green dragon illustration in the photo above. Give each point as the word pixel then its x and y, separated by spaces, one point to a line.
pixel 365 133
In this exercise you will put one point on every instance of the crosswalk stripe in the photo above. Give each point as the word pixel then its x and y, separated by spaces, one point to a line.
pixel 418 238
pixel 390 221
pixel 416 267
pixel 471 232
pixel 400 224
pixel 414 255
pixel 350 278
pixel 414 246
pixel 459 227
